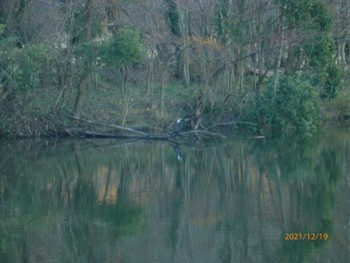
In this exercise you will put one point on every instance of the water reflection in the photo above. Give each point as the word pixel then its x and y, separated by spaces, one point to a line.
pixel 103 201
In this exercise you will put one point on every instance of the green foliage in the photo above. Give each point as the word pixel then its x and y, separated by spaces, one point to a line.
pixel 307 15
pixel 321 17
pixel 313 16
pixel 339 107
pixel 326 74
pixel 86 51
pixel 297 12
pixel 319 51
pixel 333 81
pixel 292 107
pixel 220 20
pixel 238 30
pixel 2 29
pixel 77 28
pixel 23 68
pixel 127 47
pixel 172 17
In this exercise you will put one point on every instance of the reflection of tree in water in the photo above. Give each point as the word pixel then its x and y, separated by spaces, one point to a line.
pixel 265 189
pixel 228 203
pixel 317 200
pixel 307 173
pixel 49 209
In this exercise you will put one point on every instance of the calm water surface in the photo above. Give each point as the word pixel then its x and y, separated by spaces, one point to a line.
pixel 231 201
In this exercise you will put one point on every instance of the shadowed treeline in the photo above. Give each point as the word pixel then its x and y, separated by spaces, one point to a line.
pixel 111 201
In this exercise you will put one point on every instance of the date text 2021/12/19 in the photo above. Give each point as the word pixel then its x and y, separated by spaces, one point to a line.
pixel 305 236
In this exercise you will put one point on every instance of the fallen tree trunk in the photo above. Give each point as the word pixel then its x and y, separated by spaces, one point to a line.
pixel 118 127
pixel 135 134
pixel 93 134
pixel 202 132
pixel 86 133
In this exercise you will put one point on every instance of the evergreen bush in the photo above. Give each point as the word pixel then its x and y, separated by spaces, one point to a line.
pixel 291 106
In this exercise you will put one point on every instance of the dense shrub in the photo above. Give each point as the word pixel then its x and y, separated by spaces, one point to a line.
pixel 338 108
pixel 291 106
pixel 127 47
pixel 23 68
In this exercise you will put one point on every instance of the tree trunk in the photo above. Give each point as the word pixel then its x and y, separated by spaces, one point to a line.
pixel 185 60
pixel 88 10
pixel 80 95
pixel 280 51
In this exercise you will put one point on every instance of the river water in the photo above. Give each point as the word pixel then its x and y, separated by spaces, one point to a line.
pixel 237 200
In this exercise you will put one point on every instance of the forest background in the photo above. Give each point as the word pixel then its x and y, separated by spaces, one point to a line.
pixel 267 66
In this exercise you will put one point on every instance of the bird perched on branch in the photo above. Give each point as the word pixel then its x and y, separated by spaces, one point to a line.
pixel 181 125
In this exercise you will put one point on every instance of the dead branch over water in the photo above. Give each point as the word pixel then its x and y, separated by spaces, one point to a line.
pixel 122 132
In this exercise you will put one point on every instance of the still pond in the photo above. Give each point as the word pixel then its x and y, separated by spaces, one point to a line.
pixel 237 200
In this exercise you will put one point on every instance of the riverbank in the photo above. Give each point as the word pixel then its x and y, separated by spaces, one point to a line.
pixel 160 67
pixel 44 112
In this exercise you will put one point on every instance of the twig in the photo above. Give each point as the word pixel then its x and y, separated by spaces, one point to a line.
pixel 140 135
pixel 93 134
pixel 111 126
pixel 231 123
pixel 204 132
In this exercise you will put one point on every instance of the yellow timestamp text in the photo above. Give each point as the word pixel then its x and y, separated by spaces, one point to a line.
pixel 306 236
